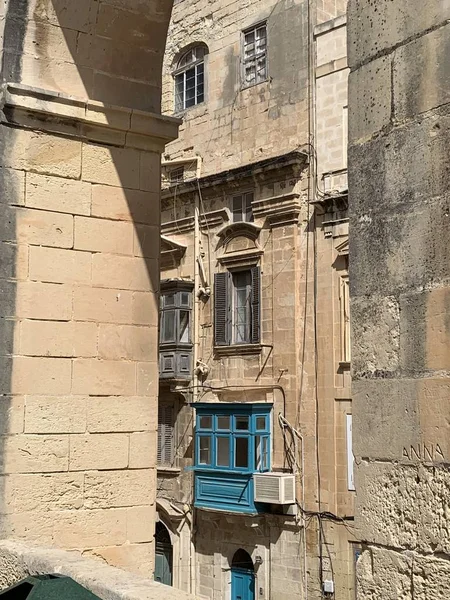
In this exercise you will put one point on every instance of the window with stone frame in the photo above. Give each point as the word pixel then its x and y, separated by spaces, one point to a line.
pixel 189 77
pixel 254 63
pixel 344 301
pixel 237 307
pixel 242 207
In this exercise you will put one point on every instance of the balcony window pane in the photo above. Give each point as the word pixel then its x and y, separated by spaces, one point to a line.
pixel 241 452
pixel 205 450
pixel 260 423
pixel 223 451
pixel 223 422
pixel 184 326
pixel 169 300
pixel 205 422
pixel 242 423
pixel 168 326
pixel 258 453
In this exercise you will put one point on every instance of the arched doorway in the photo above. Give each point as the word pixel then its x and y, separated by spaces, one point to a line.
pixel 242 576
pixel 163 555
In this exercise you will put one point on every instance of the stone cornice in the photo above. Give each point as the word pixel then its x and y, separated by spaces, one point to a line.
pixel 186 224
pixel 278 210
pixel 49 111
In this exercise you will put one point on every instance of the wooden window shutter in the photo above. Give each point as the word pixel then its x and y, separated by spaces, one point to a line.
pixel 165 434
pixel 256 305
pixel 222 309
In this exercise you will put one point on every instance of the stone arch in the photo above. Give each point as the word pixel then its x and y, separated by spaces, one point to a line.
pixel 104 50
pixel 80 150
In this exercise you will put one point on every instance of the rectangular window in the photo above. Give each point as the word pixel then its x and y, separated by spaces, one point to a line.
pixel 242 208
pixel 165 454
pixel 176 175
pixel 190 87
pixel 237 307
pixel 345 319
pixel 255 55
pixel 350 458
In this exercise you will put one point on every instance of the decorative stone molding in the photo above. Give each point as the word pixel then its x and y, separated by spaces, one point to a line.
pixel 48 111
pixel 171 253
pixel 343 248
pixel 215 218
pixel 179 226
pixel 245 258
pixel 242 228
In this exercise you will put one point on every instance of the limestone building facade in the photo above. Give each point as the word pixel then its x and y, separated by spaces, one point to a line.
pixel 399 182
pixel 81 137
pixel 255 392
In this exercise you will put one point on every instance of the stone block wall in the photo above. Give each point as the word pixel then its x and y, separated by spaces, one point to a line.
pixel 399 245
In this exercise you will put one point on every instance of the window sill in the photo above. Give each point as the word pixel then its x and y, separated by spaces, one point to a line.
pixel 162 470
pixel 237 349
pixel 248 86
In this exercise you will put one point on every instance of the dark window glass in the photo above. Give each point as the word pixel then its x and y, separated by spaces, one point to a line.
pixel 242 423
pixel 205 422
pixel 241 452
pixel 223 422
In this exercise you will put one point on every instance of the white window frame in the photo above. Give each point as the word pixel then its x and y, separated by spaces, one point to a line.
pixel 344 299
pixel 247 59
pixel 182 70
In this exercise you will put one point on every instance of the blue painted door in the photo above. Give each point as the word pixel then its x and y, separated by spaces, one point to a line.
pixel 242 584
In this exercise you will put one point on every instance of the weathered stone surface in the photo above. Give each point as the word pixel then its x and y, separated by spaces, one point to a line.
pixel 123 204
pixel 142 450
pixel 121 414
pixel 376 347
pixel 103 377
pixel 123 341
pixel 35 454
pixel 40 153
pixel 60 266
pixel 112 166
pixel 58 194
pixel 384 575
pixel 114 489
pixel 47 301
pixel 46 338
pixel 102 305
pixel 140 524
pixel 38 492
pixel 376 27
pixel 98 451
pixel 55 414
pixel 125 273
pixel 404 506
pixel 370 86
pixel 100 235
pixel 32 375
pixel 424 60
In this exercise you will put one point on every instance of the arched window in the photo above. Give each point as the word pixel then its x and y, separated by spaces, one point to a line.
pixel 190 78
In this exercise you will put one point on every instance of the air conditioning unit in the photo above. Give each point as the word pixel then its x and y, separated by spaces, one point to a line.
pixel 274 488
